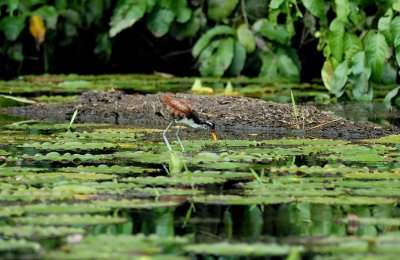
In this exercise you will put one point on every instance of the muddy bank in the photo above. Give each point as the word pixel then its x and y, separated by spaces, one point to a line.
pixel 239 115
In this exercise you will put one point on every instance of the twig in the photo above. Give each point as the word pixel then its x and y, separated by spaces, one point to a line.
pixel 321 125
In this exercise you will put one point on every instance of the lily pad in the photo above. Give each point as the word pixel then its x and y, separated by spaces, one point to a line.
pixel 242 249
pixel 38 232
pixel 68 220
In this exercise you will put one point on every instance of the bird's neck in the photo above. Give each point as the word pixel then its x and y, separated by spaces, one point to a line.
pixel 195 117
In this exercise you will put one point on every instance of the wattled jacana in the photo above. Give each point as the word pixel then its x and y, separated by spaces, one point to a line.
pixel 182 112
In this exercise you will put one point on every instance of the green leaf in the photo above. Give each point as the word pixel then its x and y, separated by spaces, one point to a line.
pixel 223 56
pixel 216 63
pixel 273 32
pixel 220 9
pixel 336 39
pixel 384 25
pixel 15 52
pixel 246 37
pixel 342 9
pixel 396 5
pixel 390 97
pixel 126 14
pixel 288 68
pixel 181 10
pixel 49 14
pixel 188 29
pixel 205 39
pixel 359 64
pixel 375 51
pixel 239 59
pixel 395 31
pixel 12 6
pixel 12 26
pixel 352 45
pixel 274 4
pixel 327 73
pixel 339 79
pixel 269 68
pixel 315 7
pixel 159 21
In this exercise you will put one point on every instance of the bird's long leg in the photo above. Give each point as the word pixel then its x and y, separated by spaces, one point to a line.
pixel 179 140
pixel 165 137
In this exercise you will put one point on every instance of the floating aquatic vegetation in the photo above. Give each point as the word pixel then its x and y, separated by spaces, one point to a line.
pixel 51 177
pixel 114 169
pixel 242 249
pixel 123 247
pixel 173 180
pixel 135 204
pixel 38 232
pixel 68 220
pixel 391 139
pixel 52 208
pixel 66 146
pixel 64 158
pixel 109 135
pixel 19 245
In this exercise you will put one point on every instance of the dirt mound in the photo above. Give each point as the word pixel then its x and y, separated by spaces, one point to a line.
pixel 231 114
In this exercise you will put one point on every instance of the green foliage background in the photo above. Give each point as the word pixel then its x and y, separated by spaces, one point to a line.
pixel 359 40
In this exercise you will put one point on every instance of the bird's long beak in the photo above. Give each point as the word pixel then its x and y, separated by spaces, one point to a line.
pixel 214 135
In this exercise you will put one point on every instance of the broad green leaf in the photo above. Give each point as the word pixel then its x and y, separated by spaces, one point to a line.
pixel 395 31
pixel 217 57
pixel 396 5
pixel 336 39
pixel 12 26
pixel 49 14
pixel 246 38
pixel 159 21
pixel 359 64
pixel 390 97
pixel 315 7
pixel 327 73
pixel 220 9
pixel 181 10
pixel 288 68
pixel 188 29
pixel 269 68
pixel 352 45
pixel 384 25
pixel 239 59
pixel 126 14
pixel 273 32
pixel 274 4
pixel 375 51
pixel 339 79
pixel 12 6
pixel 205 39
pixel 205 67
pixel 223 56
pixel 342 9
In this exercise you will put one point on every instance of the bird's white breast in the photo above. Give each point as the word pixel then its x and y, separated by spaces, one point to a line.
pixel 188 122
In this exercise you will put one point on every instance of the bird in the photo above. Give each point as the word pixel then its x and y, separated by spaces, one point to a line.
pixel 183 112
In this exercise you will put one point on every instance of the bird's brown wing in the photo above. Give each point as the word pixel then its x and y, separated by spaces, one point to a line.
pixel 179 108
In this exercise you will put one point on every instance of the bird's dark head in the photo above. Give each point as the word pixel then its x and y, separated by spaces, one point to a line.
pixel 211 127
